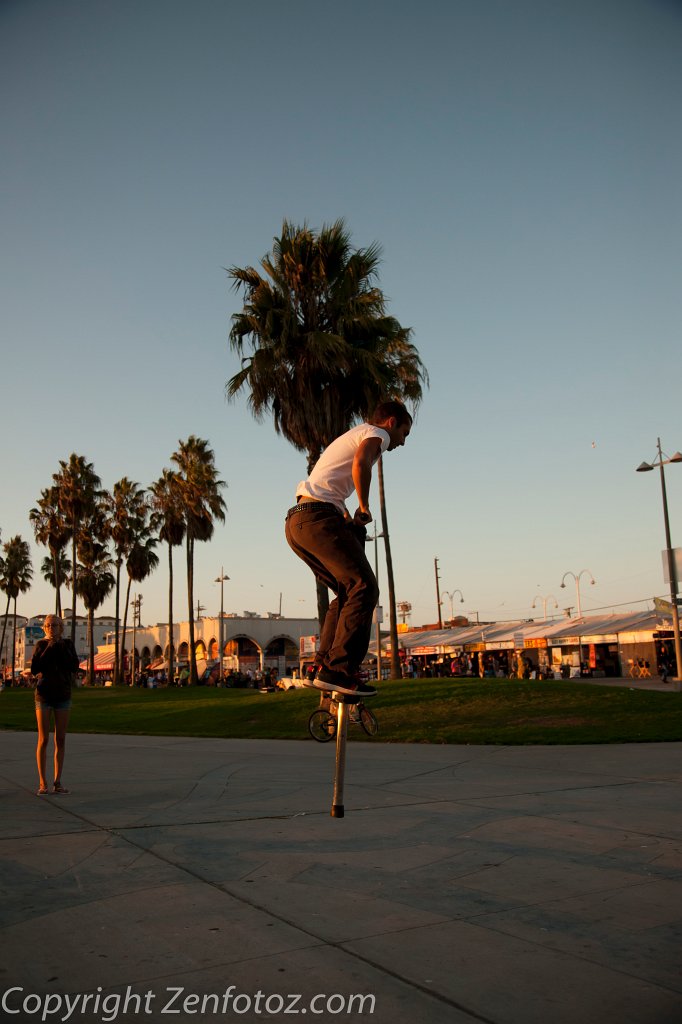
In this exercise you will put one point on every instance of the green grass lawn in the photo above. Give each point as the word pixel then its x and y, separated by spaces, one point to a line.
pixel 409 711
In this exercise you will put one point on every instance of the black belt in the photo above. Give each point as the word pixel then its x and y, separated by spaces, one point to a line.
pixel 313 506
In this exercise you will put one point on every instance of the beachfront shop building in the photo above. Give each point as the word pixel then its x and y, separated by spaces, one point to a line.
pixel 632 643
pixel 250 643
pixel 30 631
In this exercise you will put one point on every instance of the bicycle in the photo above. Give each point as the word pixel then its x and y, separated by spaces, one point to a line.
pixel 322 721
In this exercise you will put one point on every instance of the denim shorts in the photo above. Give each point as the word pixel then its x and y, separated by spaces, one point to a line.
pixel 52 705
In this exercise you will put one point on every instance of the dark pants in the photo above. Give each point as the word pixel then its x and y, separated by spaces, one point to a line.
pixel 332 547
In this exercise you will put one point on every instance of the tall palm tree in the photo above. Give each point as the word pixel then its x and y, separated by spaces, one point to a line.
pixel 324 350
pixel 94 562
pixel 4 583
pixel 51 530
pixel 168 521
pixel 95 582
pixel 78 488
pixel 140 563
pixel 62 567
pixel 128 511
pixel 16 574
pixel 200 491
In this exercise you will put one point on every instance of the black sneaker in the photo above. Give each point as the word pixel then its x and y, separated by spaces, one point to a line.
pixel 340 683
pixel 365 690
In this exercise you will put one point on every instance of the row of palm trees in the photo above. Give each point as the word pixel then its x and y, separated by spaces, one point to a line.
pixel 16 573
pixel 323 350
pixel 108 532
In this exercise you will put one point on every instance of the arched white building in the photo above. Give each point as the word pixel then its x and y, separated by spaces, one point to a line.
pixel 249 642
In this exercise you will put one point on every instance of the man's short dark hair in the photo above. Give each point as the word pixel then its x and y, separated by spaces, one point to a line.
pixel 385 410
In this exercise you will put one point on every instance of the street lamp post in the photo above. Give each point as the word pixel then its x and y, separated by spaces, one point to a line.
pixel 645 467
pixel 544 603
pixel 221 580
pixel 577 585
pixel 450 594
pixel 137 602
pixel 438 600
pixel 580 611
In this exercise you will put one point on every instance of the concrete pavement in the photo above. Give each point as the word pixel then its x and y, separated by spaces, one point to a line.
pixel 514 885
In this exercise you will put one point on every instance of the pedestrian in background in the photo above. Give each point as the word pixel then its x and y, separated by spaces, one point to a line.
pixel 54 663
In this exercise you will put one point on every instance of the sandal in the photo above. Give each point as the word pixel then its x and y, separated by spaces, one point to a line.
pixel 60 790
pixel 43 791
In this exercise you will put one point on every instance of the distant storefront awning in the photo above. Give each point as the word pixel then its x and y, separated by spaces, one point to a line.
pixel 103 663
pixel 154 666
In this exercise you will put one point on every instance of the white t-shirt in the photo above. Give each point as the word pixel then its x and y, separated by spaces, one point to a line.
pixel 332 478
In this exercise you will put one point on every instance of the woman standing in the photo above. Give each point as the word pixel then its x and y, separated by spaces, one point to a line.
pixel 54 662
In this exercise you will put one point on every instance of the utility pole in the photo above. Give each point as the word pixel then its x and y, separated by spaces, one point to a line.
pixel 440 617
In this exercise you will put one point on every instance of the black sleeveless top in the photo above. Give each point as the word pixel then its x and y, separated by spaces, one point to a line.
pixel 57 661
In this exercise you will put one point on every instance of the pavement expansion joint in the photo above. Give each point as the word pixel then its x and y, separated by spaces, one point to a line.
pixel 317 939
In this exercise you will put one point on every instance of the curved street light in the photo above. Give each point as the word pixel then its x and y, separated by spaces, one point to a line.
pixel 451 595
pixel 577 585
pixel 544 603
pixel 580 611
pixel 646 467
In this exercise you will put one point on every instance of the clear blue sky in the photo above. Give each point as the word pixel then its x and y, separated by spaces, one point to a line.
pixel 520 165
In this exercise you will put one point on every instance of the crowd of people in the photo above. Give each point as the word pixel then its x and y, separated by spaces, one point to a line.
pixel 258 679
pixel 476 665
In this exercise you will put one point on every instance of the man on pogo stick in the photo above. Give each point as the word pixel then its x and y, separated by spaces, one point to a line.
pixel 320 530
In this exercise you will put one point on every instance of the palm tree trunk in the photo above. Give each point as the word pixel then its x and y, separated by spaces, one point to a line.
pixel 73 585
pixel 320 589
pixel 91 653
pixel 14 641
pixel 117 673
pixel 4 630
pixel 125 623
pixel 322 602
pixel 57 594
pixel 395 657
pixel 193 677
pixel 170 615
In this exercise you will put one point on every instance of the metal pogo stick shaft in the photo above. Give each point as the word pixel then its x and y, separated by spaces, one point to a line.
pixel 341 736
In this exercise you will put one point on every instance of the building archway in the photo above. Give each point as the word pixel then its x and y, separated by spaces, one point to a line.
pixel 247 652
pixel 281 654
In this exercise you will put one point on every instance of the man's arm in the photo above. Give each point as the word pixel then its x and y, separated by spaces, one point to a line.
pixel 368 452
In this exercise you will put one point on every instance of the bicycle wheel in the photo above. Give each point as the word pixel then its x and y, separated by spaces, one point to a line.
pixel 369 722
pixel 322 726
